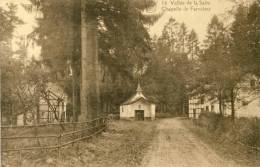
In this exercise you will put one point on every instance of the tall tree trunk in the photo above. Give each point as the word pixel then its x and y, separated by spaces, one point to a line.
pixel 74 95
pixel 76 32
pixel 90 68
pixel 232 97
pixel 220 103
pixel 84 65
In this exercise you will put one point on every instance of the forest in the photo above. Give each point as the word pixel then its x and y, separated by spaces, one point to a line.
pixel 97 52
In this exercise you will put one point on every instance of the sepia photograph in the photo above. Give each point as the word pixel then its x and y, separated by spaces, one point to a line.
pixel 130 83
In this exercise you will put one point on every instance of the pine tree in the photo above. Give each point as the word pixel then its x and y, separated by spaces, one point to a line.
pixel 254 37
pixel 170 34
pixel 170 69
pixel 183 37
pixel 214 62
pixel 121 35
pixel 10 68
pixel 240 39
pixel 239 51
pixel 193 45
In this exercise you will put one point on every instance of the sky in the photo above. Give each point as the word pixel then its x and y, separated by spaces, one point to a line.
pixel 185 11
pixel 196 14
pixel 28 19
pixel 24 29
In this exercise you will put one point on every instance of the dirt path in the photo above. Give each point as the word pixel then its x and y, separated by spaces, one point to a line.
pixel 176 146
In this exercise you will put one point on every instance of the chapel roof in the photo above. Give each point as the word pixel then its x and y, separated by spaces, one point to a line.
pixel 136 97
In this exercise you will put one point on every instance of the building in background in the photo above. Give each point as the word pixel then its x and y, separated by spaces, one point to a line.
pixel 51 109
pixel 247 102
pixel 137 107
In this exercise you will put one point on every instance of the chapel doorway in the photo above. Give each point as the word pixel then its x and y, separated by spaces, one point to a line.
pixel 139 115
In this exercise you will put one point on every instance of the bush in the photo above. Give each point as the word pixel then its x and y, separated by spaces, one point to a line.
pixel 164 115
pixel 209 120
pixel 240 130
pixel 249 131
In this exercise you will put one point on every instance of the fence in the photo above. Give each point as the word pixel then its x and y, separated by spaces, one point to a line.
pixel 63 135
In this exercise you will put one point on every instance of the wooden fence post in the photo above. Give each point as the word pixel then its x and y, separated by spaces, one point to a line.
pixel 59 144
pixel 105 123
pixel 20 157
pixel 36 134
pixel 97 127
pixel 74 129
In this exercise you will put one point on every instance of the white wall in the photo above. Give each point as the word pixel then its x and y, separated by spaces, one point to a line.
pixel 20 120
pixel 250 110
pixel 247 93
pixel 128 111
pixel 153 111
pixel 194 104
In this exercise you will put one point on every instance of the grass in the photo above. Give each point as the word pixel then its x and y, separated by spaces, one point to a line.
pixel 122 145
pixel 226 148
pixel 53 130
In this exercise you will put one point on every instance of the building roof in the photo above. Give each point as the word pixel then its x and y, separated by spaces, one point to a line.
pixel 138 96
pixel 139 89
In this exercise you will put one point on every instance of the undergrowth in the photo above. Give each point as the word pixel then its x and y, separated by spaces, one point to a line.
pixel 233 139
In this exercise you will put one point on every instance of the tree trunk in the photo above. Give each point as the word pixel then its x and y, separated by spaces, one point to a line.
pixel 74 95
pixel 75 35
pixel 220 103
pixel 24 118
pixel 38 112
pixel 232 97
pixel 109 107
pixel 84 86
pixel 90 100
pixel 12 114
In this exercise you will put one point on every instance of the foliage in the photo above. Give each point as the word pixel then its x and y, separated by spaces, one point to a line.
pixel 220 61
pixel 254 37
pixel 240 38
pixel 10 68
pixel 214 60
pixel 123 42
pixel 169 67
pixel 172 67
pixel 243 46
pixel 242 130
pixel 8 20
pixel 22 81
